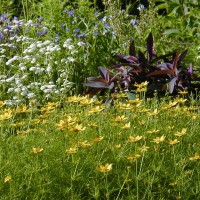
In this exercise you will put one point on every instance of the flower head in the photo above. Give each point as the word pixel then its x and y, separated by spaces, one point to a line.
pixel 71 150
pixel 104 168
pixel 159 139
pixel 7 179
pixel 182 133
pixel 195 157
pixel 77 128
pixel 173 142
pixel 37 150
pixel 134 139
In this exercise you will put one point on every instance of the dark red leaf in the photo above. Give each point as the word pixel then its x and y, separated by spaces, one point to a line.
pixel 132 50
pixel 161 72
pixel 150 46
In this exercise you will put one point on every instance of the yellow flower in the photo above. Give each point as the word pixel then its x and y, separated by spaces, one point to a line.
pixel 92 124
pixel 104 168
pixel 7 114
pixel 155 112
pixel 133 157
pixel 144 148
pixel 98 139
pixel 120 118
pixel 183 92
pixel 142 122
pixel 22 109
pixel 170 128
pixel 75 99
pixel 173 184
pixel 84 144
pixel 18 124
pixel 195 157
pixel 86 102
pixel 180 100
pixel 96 109
pixel 173 142
pixel 124 106
pixel 134 101
pixel 118 146
pixel 71 150
pixel 127 125
pixel 118 95
pixel 180 134
pixel 142 85
pixel 2 103
pixel 170 105
pixel 154 131
pixel 37 150
pixel 77 128
pixel 7 179
pixel 134 139
pixel 159 139
pixel 65 123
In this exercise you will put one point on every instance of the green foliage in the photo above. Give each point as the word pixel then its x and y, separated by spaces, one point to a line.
pixel 81 150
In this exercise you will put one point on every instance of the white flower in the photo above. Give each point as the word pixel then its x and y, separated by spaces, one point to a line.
pixel 31 95
pixel 81 43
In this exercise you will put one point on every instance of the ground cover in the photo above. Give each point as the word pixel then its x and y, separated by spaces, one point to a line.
pixel 121 143
pixel 134 149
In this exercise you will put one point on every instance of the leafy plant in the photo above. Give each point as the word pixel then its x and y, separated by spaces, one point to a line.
pixel 161 72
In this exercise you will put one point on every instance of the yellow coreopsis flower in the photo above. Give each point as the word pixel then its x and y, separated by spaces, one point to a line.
pixel 84 144
pixel 134 139
pixel 96 109
pixel 154 131
pixel 173 142
pixel 77 128
pixel 7 115
pixel 75 99
pixel 22 109
pixel 155 112
pixel 7 179
pixel 127 125
pixel 118 146
pixel 195 157
pixel 180 134
pixel 133 157
pixel 104 168
pixel 159 139
pixel 124 106
pixel 37 150
pixel 66 123
pixel 183 92
pixel 120 118
pixel 98 139
pixel 2 103
pixel 134 101
pixel 71 150
pixel 86 102
pixel 144 148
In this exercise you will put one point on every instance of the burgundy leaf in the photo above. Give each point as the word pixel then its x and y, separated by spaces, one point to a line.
pixel 161 72
pixel 182 56
pixel 175 61
pixel 164 66
pixel 190 70
pixel 141 56
pixel 150 46
pixel 97 84
pixel 172 84
pixel 132 50
pixel 104 73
